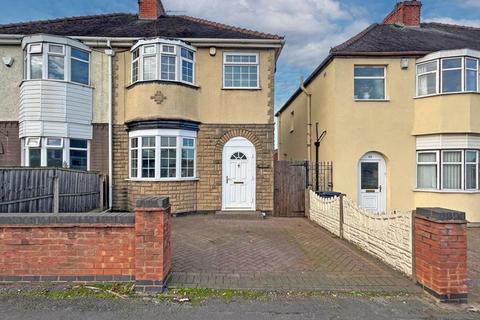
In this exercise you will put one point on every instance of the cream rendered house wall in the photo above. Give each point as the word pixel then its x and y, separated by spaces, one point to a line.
pixel 387 127
pixel 209 103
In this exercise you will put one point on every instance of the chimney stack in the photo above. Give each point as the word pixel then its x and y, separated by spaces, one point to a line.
pixel 405 13
pixel 150 9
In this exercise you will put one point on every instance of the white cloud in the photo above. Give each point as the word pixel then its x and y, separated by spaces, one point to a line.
pixel 310 27
pixel 471 3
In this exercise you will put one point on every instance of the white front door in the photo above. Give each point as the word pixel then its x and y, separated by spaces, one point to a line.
pixel 238 175
pixel 372 183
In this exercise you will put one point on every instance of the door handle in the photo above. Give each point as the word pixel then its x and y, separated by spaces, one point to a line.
pixel 227 179
pixel 380 188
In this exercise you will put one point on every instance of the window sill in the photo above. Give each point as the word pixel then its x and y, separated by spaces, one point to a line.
pixel 165 82
pixel 59 81
pixel 162 180
pixel 448 191
pixel 445 94
pixel 371 100
pixel 244 89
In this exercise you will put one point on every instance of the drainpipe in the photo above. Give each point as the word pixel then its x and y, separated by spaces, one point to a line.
pixel 309 119
pixel 110 54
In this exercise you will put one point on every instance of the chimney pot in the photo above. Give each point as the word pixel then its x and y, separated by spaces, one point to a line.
pixel 405 13
pixel 150 9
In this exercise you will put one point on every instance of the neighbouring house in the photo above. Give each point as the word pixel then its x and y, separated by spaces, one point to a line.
pixel 166 105
pixel 400 103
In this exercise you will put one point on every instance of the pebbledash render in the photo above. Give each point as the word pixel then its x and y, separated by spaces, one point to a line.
pixel 165 105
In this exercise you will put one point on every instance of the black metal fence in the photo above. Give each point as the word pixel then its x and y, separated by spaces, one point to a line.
pixel 320 176
pixel 50 190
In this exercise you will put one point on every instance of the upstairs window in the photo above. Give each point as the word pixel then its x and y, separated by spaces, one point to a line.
pixel 163 60
pixel 241 71
pixel 448 75
pixel 369 83
pixel 57 62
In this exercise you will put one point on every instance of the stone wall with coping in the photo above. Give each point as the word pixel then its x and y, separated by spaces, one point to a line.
pixel 388 237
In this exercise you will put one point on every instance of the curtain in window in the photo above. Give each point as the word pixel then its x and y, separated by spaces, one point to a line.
pixel 427 173
pixel 452 170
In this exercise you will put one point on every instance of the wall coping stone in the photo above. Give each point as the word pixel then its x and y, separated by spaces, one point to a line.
pixel 440 214
pixel 153 202
pixel 110 218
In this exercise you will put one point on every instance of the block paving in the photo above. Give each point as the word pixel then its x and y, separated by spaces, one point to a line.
pixel 274 254
pixel 474 265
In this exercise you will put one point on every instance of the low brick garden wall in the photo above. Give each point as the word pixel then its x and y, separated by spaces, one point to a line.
pixel 101 247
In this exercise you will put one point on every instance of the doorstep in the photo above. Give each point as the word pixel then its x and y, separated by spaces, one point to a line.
pixel 240 215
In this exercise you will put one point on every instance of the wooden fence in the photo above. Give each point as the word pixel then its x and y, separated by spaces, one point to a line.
pixel 50 190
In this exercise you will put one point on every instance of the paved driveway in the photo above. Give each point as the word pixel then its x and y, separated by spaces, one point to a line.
pixel 273 254
pixel 474 264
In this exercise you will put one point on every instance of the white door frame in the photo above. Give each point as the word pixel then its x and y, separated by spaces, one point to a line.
pixel 381 191
pixel 239 144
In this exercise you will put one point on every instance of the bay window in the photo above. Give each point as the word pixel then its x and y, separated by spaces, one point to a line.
pixel 369 83
pixel 162 154
pixel 165 60
pixel 448 170
pixel 241 71
pixel 56 152
pixel 448 75
pixel 55 61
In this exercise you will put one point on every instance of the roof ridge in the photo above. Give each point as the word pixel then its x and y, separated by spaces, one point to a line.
pixel 230 27
pixel 354 39
pixel 452 25
pixel 73 18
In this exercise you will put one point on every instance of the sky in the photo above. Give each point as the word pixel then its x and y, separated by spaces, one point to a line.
pixel 310 27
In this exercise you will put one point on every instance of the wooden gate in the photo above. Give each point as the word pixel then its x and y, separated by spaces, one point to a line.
pixel 289 191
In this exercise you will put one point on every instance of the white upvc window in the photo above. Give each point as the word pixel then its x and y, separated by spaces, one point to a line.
pixel 370 83
pixel 162 154
pixel 448 75
pixel 58 62
pixel 448 170
pixel 165 60
pixel 428 170
pixel 427 78
pixel 241 70
pixel 56 152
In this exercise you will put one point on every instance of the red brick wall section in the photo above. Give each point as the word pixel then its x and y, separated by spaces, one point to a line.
pixel 441 258
pixel 68 253
pixel 153 251
pixel 406 13
pixel 96 247
pixel 150 9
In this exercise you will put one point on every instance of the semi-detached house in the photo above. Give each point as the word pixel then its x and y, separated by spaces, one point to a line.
pixel 165 105
pixel 400 104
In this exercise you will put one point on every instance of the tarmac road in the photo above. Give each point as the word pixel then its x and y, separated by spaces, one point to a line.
pixel 24 308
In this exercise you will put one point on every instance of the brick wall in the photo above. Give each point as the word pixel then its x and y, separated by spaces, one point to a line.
pixel 10 147
pixel 99 148
pixel 206 193
pixel 89 247
pixel 441 255
pixel 385 236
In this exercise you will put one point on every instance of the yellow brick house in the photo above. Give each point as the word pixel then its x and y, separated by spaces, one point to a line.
pixel 400 104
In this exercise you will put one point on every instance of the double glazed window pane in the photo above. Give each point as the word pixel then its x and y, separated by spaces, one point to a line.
pixel 78 159
pixel 148 163
pixel 149 66
pixel 241 76
pixel 369 175
pixel 54 157
pixel 471 170
pixel 36 64
pixel 56 67
pixel 34 157
pixel 452 75
pixel 427 170
pixel 471 75
pixel 168 68
pixel 452 170
pixel 187 71
pixel 427 78
pixel 80 72
pixel 369 83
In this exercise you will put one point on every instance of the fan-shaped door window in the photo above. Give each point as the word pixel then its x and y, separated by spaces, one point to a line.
pixel 238 156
